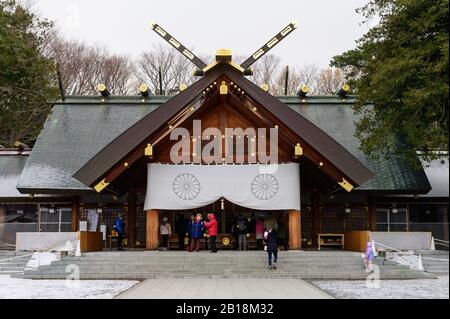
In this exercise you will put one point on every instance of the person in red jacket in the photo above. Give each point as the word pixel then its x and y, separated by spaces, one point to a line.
pixel 212 226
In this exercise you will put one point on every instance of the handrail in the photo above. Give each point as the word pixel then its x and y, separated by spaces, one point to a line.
pixel 16 257
pixel 440 241
pixel 407 252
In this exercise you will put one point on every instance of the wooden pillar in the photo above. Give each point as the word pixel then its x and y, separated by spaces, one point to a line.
pixel 315 211
pixel 75 213
pixel 152 230
pixel 372 213
pixel 295 230
pixel 2 213
pixel 131 219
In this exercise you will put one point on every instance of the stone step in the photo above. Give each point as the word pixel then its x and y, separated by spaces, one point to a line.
pixel 5 269
pixel 217 270
pixel 13 264
pixel 234 268
pixel 140 265
pixel 12 273
pixel 408 275
pixel 196 262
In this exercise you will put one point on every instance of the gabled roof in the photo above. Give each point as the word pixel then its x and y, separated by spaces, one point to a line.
pixel 352 169
pixel 136 134
pixel 391 174
pixel 11 166
pixel 80 127
pixel 308 131
pixel 437 173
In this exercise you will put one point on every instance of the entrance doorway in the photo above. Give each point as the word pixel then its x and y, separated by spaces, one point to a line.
pixel 227 219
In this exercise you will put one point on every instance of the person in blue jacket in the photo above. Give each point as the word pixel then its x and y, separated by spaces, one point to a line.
pixel 197 230
pixel 119 227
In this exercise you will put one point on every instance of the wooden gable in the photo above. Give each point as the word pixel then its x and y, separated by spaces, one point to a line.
pixel 223 98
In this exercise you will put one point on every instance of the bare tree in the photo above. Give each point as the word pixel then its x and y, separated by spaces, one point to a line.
pixel 320 81
pixel 165 65
pixel 266 71
pixel 83 67
pixel 330 81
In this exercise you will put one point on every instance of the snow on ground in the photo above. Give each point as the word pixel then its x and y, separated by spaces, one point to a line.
pixel 15 288
pixel 389 289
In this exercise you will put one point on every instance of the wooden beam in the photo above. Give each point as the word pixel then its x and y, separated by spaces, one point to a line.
pixel 131 218
pixel 75 213
pixel 2 213
pixel 372 213
pixel 295 230
pixel 315 211
pixel 152 242
pixel 135 155
pixel 286 134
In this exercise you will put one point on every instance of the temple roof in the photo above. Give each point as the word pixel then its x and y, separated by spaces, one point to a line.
pixel 78 128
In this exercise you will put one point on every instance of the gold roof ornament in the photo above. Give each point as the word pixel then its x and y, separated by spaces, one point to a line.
pixel 148 150
pixel 143 88
pixel 223 90
pixel 298 150
pixel 101 186
pixel 183 87
pixel 224 55
pixel 346 185
pixel 343 92
pixel 103 90
pixel 265 87
pixel 304 90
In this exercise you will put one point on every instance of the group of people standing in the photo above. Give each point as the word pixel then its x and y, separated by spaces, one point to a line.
pixel 194 229
pixel 269 236
pixel 242 227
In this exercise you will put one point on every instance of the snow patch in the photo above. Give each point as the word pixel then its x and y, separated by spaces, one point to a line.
pixel 42 259
pixel 389 289
pixel 14 288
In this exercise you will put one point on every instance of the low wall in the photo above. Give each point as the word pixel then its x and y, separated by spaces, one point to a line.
pixel 403 240
pixel 42 241
pixel 8 231
pixel 356 240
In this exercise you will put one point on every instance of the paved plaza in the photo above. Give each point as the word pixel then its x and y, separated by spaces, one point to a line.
pixel 224 289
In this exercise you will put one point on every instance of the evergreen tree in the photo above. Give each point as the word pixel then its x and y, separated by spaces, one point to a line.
pixel 27 78
pixel 401 68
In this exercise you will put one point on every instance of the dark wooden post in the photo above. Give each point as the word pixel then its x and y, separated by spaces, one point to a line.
pixel 295 230
pixel 2 213
pixel 131 219
pixel 315 211
pixel 152 242
pixel 75 213
pixel 372 213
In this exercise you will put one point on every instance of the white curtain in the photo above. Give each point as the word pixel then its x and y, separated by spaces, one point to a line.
pixel 262 187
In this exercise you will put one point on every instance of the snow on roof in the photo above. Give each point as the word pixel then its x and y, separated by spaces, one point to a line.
pixel 11 167
pixel 437 173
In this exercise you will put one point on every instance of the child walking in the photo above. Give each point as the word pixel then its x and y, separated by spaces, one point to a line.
pixel 368 257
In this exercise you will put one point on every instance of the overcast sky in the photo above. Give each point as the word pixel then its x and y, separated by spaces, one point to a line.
pixel 326 27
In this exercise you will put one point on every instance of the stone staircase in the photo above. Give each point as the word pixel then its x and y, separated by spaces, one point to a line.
pixel 437 265
pixel 12 262
pixel 323 265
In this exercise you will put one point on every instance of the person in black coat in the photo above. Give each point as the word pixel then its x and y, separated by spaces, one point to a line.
pixel 180 229
pixel 189 230
pixel 271 238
